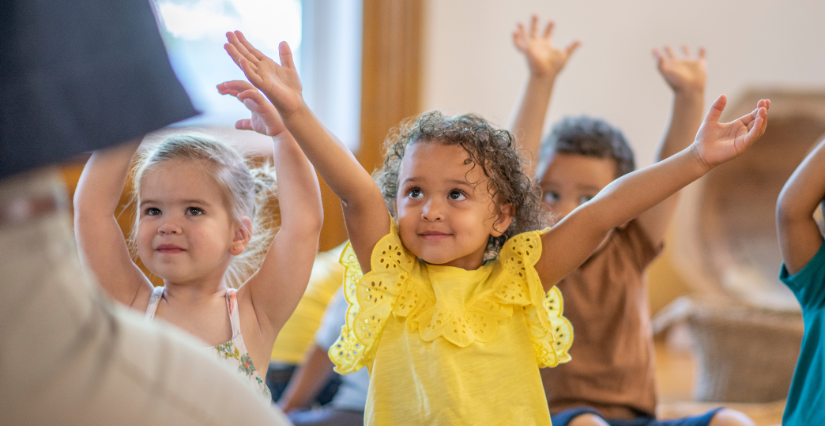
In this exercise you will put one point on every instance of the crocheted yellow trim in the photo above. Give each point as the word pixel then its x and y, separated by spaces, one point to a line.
pixel 390 287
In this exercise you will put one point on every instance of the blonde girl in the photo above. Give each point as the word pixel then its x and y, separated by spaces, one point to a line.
pixel 226 281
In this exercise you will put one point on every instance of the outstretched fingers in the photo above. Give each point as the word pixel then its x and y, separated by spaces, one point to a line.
pixel 760 124
pixel 234 87
pixel 242 51
pixel 548 30
pixel 248 46
pixel 253 95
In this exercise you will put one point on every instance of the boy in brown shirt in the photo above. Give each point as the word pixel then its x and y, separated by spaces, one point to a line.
pixel 610 380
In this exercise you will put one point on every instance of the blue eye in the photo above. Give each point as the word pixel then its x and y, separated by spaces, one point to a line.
pixel 457 195
pixel 152 211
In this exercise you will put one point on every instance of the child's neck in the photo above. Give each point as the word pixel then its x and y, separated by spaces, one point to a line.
pixel 194 292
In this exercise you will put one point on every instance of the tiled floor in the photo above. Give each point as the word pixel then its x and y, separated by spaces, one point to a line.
pixel 674 377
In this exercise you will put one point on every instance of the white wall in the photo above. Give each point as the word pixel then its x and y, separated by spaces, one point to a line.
pixel 471 66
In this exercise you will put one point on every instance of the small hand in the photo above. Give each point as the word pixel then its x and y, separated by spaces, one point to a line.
pixel 684 74
pixel 544 59
pixel 280 83
pixel 719 142
pixel 265 118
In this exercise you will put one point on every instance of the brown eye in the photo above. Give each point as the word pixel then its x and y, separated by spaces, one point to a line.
pixel 457 195
pixel 152 211
pixel 194 211
pixel 551 197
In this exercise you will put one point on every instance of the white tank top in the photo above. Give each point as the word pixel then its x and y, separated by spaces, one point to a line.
pixel 234 351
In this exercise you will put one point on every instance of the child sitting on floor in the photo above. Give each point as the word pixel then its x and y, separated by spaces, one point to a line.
pixel 611 380
pixel 448 337
pixel 227 281
pixel 800 241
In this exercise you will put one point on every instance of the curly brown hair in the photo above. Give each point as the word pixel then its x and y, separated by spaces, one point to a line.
pixel 488 147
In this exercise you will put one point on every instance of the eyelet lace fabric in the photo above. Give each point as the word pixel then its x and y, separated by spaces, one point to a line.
pixel 397 285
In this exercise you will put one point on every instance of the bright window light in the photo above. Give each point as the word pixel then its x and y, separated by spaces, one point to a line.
pixel 194 33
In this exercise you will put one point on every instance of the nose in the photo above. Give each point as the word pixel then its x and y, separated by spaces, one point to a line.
pixel 169 227
pixel 433 210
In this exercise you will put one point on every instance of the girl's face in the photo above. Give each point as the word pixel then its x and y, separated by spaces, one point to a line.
pixel 185 233
pixel 445 212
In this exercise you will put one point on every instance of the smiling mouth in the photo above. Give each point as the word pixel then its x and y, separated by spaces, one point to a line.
pixel 433 235
pixel 169 249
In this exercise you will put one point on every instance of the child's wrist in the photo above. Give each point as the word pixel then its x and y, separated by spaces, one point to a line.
pixel 690 92
pixel 701 166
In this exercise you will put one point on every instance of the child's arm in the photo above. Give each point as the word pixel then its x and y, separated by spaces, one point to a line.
pixel 308 380
pixel 365 213
pixel 799 237
pixel 545 62
pixel 686 77
pixel 279 283
pixel 573 240
pixel 99 238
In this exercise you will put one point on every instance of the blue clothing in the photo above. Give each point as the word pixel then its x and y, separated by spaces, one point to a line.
pixel 806 398
pixel 565 417
pixel 352 394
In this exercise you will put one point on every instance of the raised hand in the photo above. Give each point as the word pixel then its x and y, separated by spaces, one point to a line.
pixel 682 74
pixel 719 142
pixel 265 118
pixel 280 83
pixel 543 58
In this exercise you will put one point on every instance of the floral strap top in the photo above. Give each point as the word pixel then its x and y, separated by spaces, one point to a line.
pixel 233 351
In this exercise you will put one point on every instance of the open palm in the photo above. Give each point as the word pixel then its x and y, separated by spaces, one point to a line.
pixel 542 57
pixel 682 73
pixel 718 142
pixel 280 83
pixel 265 118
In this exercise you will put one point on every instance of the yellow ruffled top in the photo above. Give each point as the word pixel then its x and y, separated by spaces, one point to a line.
pixel 448 346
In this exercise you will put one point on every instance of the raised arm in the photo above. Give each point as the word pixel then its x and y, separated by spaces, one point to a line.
pixel 279 283
pixel 573 240
pixel 686 76
pixel 365 213
pixel 799 237
pixel 99 239
pixel 545 62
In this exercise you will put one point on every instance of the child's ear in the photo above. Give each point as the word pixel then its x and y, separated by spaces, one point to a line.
pixel 504 219
pixel 243 233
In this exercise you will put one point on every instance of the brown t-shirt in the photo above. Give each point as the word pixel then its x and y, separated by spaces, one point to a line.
pixel 606 301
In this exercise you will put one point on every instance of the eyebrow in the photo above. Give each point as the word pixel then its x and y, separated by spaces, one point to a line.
pixel 193 201
pixel 454 181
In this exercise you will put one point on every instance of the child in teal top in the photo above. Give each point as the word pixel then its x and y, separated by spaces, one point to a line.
pixel 804 273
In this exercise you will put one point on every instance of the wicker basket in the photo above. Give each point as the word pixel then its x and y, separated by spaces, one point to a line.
pixel 743 354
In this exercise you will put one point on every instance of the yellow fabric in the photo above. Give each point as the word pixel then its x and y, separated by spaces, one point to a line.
pixel 298 333
pixel 465 351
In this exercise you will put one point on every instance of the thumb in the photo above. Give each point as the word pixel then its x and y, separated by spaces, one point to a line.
pixel 286 55
pixel 716 109
pixel 245 124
